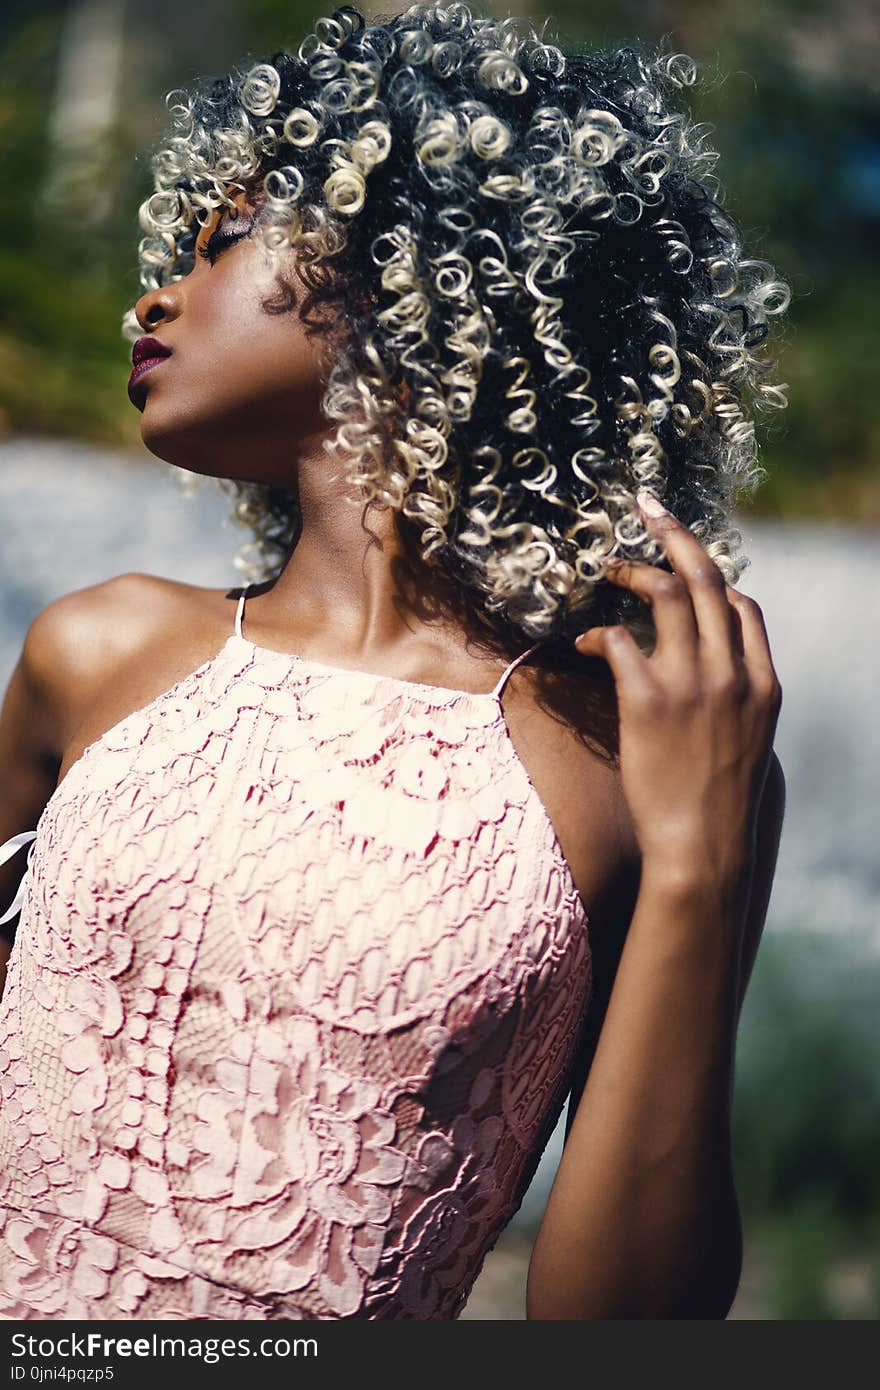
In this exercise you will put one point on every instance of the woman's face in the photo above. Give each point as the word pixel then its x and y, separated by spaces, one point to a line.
pixel 239 397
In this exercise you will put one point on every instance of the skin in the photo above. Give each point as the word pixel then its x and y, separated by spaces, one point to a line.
pixel 672 847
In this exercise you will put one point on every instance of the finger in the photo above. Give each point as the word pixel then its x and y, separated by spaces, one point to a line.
pixel 704 580
pixel 756 645
pixel 668 598
pixel 618 647
pixel 737 638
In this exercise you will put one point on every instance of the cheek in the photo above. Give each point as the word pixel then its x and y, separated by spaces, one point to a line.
pixel 243 383
pixel 275 368
pixel 242 354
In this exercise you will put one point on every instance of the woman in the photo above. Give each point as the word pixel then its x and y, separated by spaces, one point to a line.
pixel 327 898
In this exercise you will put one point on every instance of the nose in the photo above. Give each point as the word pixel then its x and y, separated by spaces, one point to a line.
pixel 158 306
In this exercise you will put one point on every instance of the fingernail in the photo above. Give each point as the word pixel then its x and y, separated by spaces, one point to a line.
pixel 649 504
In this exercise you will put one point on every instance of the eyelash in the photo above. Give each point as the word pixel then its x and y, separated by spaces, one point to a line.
pixel 218 242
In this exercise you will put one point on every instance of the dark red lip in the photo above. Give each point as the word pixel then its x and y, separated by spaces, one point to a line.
pixel 148 347
pixel 141 369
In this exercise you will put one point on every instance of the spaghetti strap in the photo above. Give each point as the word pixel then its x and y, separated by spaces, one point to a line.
pixel 239 612
pixel 512 667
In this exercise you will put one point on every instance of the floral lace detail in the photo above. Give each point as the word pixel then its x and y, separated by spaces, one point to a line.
pixel 297 985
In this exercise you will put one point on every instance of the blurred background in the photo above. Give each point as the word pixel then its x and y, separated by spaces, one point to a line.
pixel 792 91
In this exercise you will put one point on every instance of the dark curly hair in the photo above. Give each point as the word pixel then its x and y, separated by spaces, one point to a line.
pixel 537 303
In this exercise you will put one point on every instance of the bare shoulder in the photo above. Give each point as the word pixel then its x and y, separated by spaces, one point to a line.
pixel 84 640
pixel 96 623
pixel 89 658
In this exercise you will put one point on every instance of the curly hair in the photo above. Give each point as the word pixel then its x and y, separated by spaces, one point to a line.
pixel 537 301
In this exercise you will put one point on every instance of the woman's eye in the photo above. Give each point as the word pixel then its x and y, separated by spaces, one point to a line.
pixel 219 241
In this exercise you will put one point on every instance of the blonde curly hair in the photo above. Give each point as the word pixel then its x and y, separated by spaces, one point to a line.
pixel 538 304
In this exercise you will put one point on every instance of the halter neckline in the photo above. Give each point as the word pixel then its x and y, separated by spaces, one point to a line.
pixel 494 694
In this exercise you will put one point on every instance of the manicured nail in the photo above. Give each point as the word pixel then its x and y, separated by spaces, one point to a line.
pixel 649 504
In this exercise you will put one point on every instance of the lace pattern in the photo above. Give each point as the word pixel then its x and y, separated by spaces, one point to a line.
pixel 297 984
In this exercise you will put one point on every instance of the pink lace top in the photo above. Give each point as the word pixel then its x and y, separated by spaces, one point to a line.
pixel 298 979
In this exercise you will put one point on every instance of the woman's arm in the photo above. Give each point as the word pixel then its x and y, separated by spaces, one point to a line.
pixel 613 933
pixel 29 760
pixel 668 1044
pixel 60 667
pixel 643 1218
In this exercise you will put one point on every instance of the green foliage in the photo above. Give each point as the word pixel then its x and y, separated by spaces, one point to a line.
pixel 274 24
pixel 801 1252
pixel 64 283
pixel 28 58
pixel 806 1117
pixel 787 145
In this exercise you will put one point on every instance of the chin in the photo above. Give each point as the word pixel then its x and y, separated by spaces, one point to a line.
pixel 186 442
pixel 224 443
pixel 182 447
pixel 208 452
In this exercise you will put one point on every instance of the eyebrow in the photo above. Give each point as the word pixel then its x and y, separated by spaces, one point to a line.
pixel 217 234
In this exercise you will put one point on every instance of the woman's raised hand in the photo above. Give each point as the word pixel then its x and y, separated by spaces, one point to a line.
pixel 697 716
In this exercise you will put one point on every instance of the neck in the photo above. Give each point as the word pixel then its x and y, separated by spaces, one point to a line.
pixel 355 572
